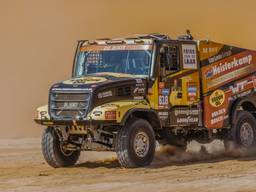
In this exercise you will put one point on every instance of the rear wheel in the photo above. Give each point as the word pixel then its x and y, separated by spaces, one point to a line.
pixel 54 152
pixel 243 132
pixel 135 143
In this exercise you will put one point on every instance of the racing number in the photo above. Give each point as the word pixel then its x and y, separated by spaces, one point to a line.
pixel 163 99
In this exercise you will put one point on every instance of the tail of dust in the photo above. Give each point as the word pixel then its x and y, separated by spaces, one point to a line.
pixel 196 152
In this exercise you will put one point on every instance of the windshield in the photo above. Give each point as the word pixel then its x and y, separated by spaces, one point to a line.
pixel 128 59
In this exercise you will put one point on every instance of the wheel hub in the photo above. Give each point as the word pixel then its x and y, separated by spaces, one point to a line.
pixel 246 134
pixel 64 151
pixel 141 144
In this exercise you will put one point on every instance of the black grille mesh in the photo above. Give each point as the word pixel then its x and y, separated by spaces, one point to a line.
pixel 69 105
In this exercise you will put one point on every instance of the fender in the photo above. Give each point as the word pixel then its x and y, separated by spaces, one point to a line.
pixel 42 113
pixel 233 110
pixel 151 112
pixel 120 108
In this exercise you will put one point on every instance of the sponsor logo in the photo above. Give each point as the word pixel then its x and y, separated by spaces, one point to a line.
pixel 161 85
pixel 163 115
pixel 218 116
pixel 189 56
pixel 210 50
pixel 139 90
pixel 219 56
pixel 105 94
pixel 85 80
pixel 187 112
pixel 165 91
pixel 238 86
pixel 139 81
pixel 223 67
pixel 209 73
pixel 192 91
pixel 217 98
pixel 110 115
pixel 71 105
pixel 187 120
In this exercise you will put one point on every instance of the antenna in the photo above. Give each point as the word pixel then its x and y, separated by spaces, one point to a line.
pixel 187 36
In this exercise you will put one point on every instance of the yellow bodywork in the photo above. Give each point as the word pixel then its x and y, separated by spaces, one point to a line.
pixel 120 107
pixel 42 113
pixel 192 78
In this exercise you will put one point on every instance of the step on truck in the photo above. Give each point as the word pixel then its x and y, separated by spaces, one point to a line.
pixel 125 94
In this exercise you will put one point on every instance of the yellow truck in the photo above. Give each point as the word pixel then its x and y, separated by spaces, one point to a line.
pixel 125 94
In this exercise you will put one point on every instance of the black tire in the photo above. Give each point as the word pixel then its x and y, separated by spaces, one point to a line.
pixel 52 152
pixel 127 136
pixel 243 132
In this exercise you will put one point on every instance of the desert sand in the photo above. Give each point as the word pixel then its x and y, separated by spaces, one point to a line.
pixel 24 169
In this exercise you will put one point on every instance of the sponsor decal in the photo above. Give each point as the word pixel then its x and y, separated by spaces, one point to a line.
pixel 189 56
pixel 241 94
pixel 238 87
pixel 192 91
pixel 219 56
pixel 115 47
pixel 85 80
pixel 208 50
pixel 223 67
pixel 71 105
pixel 209 73
pixel 187 112
pixel 161 85
pixel 110 115
pixel 187 120
pixel 105 94
pixel 185 115
pixel 139 81
pixel 163 115
pixel 165 91
pixel 163 101
pixel 218 116
pixel 217 98
pixel 43 114
pixel 139 90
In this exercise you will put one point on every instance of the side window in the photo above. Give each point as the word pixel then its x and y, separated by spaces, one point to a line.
pixel 169 59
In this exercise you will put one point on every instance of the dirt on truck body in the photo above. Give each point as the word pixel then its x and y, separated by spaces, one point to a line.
pixel 126 94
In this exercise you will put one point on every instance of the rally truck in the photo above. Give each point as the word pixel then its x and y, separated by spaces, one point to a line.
pixel 127 94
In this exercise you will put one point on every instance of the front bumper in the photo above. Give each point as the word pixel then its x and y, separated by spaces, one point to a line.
pixel 51 122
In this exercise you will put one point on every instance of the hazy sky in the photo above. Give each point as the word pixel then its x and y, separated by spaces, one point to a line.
pixel 38 40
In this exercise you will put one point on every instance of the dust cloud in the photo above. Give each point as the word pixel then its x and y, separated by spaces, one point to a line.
pixel 170 155
pixel 38 40
pixel 195 152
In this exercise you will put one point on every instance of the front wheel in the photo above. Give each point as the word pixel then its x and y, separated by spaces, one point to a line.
pixel 135 144
pixel 243 132
pixel 54 153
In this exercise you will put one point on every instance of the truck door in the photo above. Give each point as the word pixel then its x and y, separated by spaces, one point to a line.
pixel 179 83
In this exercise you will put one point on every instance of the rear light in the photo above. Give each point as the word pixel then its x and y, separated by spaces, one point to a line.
pixel 110 115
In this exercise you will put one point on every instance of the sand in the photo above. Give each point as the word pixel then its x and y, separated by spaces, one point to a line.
pixel 22 168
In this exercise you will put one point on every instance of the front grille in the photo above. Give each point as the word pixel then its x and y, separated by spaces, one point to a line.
pixel 69 105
